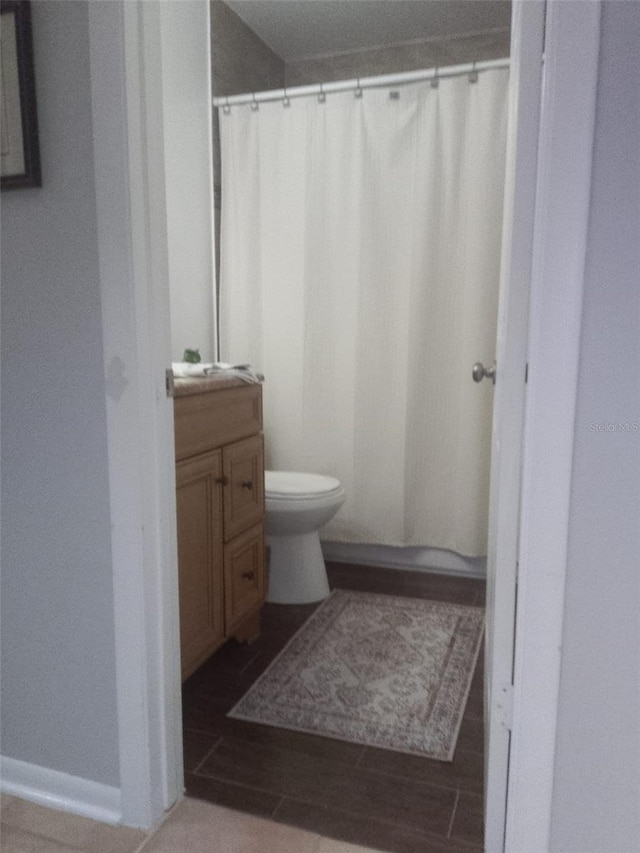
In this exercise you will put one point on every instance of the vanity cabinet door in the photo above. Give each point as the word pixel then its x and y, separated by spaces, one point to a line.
pixel 244 489
pixel 200 555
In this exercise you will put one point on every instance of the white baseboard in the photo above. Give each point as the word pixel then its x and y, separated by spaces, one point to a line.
pixel 60 790
pixel 412 559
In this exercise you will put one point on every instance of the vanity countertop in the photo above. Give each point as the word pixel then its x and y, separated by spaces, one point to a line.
pixel 186 386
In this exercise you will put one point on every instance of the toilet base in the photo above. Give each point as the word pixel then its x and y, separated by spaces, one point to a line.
pixel 297 573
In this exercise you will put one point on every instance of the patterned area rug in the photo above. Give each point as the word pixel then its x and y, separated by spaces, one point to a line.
pixel 378 670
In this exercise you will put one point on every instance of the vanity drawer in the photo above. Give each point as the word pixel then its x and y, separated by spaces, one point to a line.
pixel 243 575
pixel 243 468
pixel 205 421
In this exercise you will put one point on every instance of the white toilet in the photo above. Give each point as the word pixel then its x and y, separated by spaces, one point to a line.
pixel 297 505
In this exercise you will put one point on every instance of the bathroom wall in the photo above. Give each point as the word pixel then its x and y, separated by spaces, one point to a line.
pixel 597 771
pixel 58 687
pixel 493 44
pixel 240 62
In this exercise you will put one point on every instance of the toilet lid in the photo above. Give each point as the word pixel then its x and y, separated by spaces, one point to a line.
pixel 295 483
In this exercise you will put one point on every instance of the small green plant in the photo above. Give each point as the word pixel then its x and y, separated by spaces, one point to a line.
pixel 192 356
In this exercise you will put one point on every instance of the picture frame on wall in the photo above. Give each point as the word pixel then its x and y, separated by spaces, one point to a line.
pixel 19 146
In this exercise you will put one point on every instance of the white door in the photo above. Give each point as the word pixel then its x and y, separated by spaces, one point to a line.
pixel 508 412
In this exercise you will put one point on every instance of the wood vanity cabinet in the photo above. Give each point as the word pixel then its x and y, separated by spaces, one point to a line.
pixel 220 514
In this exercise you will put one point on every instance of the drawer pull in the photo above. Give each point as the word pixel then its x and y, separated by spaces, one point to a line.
pixel 247 484
pixel 248 575
pixel 222 481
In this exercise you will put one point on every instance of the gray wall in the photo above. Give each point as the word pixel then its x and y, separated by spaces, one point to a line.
pixel 58 662
pixel 597 778
pixel 403 57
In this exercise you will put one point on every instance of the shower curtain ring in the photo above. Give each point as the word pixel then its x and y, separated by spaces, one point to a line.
pixel 321 97
pixel 473 74
pixel 358 92
pixel 285 101
pixel 255 106
pixel 226 109
pixel 435 80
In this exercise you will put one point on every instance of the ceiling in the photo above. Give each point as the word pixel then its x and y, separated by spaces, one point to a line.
pixel 300 29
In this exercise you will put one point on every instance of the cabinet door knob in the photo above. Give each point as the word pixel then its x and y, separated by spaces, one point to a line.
pixel 247 484
pixel 222 481
pixel 248 575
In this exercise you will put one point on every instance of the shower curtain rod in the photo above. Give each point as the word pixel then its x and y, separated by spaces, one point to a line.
pixel 360 83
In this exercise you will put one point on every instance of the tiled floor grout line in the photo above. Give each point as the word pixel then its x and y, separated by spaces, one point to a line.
pixel 373 770
pixel 441 786
pixel 311 802
pixel 203 732
pixel 224 781
pixel 150 835
pixel 162 822
pixel 249 662
pixel 274 813
pixel 453 815
pixel 275 808
pixel 284 749
pixel 210 752
pixel 436 785
pixel 416 830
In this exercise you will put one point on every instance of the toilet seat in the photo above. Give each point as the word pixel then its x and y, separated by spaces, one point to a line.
pixel 295 485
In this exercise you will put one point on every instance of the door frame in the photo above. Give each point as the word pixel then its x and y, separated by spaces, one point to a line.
pixel 525 96
pixel 565 153
pixel 130 182
pixel 127 100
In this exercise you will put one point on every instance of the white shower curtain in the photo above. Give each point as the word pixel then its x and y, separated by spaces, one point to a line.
pixel 360 253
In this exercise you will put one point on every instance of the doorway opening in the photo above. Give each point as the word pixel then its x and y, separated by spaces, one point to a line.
pixel 210 740
pixel 565 144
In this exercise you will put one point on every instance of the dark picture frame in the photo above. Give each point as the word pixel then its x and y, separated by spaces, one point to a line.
pixel 19 145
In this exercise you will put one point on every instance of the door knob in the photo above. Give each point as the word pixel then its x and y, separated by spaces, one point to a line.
pixel 479 372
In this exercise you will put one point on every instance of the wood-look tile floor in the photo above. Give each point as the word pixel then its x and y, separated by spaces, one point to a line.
pixel 367 796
